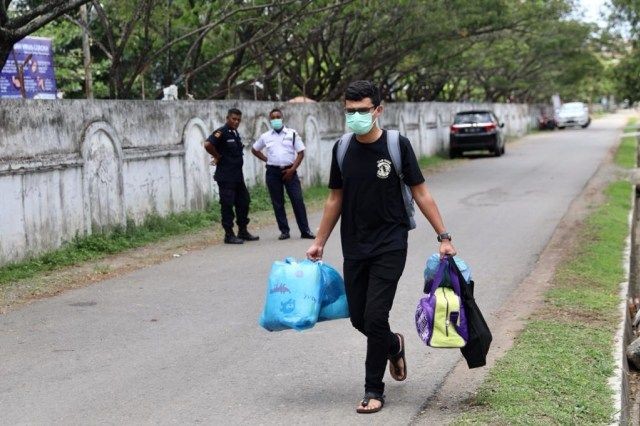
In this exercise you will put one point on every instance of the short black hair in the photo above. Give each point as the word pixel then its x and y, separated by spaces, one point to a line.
pixel 358 90
pixel 276 110
pixel 234 111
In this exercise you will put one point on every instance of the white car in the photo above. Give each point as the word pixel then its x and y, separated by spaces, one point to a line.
pixel 573 114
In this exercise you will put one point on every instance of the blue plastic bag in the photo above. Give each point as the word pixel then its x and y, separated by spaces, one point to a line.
pixel 293 295
pixel 334 299
pixel 434 261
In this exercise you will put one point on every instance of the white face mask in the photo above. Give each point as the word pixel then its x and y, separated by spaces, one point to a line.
pixel 360 123
pixel 277 124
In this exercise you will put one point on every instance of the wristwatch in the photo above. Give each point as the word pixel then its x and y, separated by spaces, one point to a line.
pixel 444 236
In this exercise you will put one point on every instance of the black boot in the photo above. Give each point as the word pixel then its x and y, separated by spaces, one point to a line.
pixel 246 236
pixel 230 238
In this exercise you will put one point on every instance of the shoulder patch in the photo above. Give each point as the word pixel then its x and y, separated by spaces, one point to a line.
pixel 217 133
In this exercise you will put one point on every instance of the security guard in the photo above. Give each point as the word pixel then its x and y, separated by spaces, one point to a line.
pixel 225 146
pixel 285 152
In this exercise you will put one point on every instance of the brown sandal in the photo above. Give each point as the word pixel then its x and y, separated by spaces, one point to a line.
pixel 368 396
pixel 398 372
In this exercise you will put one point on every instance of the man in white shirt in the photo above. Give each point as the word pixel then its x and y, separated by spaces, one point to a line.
pixel 285 151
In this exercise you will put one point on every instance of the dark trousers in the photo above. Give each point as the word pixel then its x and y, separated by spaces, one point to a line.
pixel 276 186
pixel 234 194
pixel 371 286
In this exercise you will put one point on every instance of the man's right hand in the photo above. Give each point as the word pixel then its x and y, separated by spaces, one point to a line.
pixel 315 252
pixel 215 161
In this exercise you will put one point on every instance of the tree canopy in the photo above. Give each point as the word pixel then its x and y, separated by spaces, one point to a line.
pixel 626 15
pixel 431 50
pixel 18 19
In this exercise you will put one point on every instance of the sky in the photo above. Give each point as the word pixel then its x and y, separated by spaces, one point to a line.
pixel 592 9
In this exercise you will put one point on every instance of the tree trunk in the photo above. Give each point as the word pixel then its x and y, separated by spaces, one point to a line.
pixel 86 51
pixel 5 50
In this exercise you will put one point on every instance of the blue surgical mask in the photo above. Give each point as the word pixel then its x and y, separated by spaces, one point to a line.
pixel 276 123
pixel 360 123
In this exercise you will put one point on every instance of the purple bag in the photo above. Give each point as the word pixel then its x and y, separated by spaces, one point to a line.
pixel 440 316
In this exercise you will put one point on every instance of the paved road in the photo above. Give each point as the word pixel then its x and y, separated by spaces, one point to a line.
pixel 178 343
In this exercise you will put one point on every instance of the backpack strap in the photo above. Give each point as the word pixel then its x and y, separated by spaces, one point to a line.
pixel 393 144
pixel 343 145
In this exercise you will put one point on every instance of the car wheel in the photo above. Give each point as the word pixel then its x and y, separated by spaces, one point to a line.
pixel 497 151
pixel 504 148
pixel 453 153
pixel 586 124
pixel 561 127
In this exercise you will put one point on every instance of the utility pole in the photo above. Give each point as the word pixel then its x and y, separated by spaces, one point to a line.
pixel 86 50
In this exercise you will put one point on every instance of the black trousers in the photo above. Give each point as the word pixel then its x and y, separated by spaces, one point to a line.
pixel 371 286
pixel 234 194
pixel 276 186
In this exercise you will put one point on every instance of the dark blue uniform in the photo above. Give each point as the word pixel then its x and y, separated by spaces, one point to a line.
pixel 233 191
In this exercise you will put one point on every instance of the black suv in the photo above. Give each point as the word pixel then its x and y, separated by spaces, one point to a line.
pixel 475 130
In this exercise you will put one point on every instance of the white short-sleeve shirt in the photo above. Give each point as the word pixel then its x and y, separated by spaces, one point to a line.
pixel 281 148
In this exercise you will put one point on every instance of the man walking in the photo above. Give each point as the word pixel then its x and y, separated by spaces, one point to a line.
pixel 225 146
pixel 285 151
pixel 366 192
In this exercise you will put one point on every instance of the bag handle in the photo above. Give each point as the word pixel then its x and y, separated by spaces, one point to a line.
pixel 438 277
pixel 293 261
pixel 453 275
pixel 446 263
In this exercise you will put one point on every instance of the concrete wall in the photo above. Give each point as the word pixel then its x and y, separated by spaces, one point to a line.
pixel 75 167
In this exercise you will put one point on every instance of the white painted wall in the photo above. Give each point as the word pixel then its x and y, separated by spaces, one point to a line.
pixel 75 167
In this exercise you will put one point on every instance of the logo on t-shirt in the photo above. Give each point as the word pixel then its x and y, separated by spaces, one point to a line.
pixel 384 168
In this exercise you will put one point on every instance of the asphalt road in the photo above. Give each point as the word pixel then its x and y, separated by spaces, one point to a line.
pixel 178 343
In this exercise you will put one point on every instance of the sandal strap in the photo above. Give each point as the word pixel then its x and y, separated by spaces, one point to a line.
pixel 395 358
pixel 372 395
pixel 398 357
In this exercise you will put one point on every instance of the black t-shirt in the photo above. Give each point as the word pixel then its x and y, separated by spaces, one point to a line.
pixel 229 144
pixel 374 219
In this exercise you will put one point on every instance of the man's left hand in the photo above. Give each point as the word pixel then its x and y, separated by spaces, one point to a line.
pixel 446 248
pixel 287 174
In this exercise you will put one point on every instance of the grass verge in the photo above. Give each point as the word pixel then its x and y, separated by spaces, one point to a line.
pixel 626 155
pixel 558 369
pixel 154 229
pixel 432 161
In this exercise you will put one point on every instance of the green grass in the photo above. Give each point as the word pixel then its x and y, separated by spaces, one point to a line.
pixel 626 156
pixel 555 374
pixel 558 368
pixel 426 162
pixel 589 282
pixel 154 228
pixel 316 193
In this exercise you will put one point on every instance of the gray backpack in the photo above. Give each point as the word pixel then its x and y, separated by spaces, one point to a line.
pixel 393 144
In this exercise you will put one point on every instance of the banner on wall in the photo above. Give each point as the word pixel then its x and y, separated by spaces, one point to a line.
pixel 34 57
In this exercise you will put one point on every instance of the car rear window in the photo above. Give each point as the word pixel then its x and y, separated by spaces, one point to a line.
pixel 572 107
pixel 475 117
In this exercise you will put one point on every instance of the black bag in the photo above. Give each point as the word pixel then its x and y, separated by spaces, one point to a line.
pixel 477 347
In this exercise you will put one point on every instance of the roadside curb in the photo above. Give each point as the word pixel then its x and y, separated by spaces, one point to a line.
pixel 619 382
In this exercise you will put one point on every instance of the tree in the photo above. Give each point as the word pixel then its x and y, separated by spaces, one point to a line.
pixel 627 71
pixel 18 21
pixel 432 50
pixel 176 41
